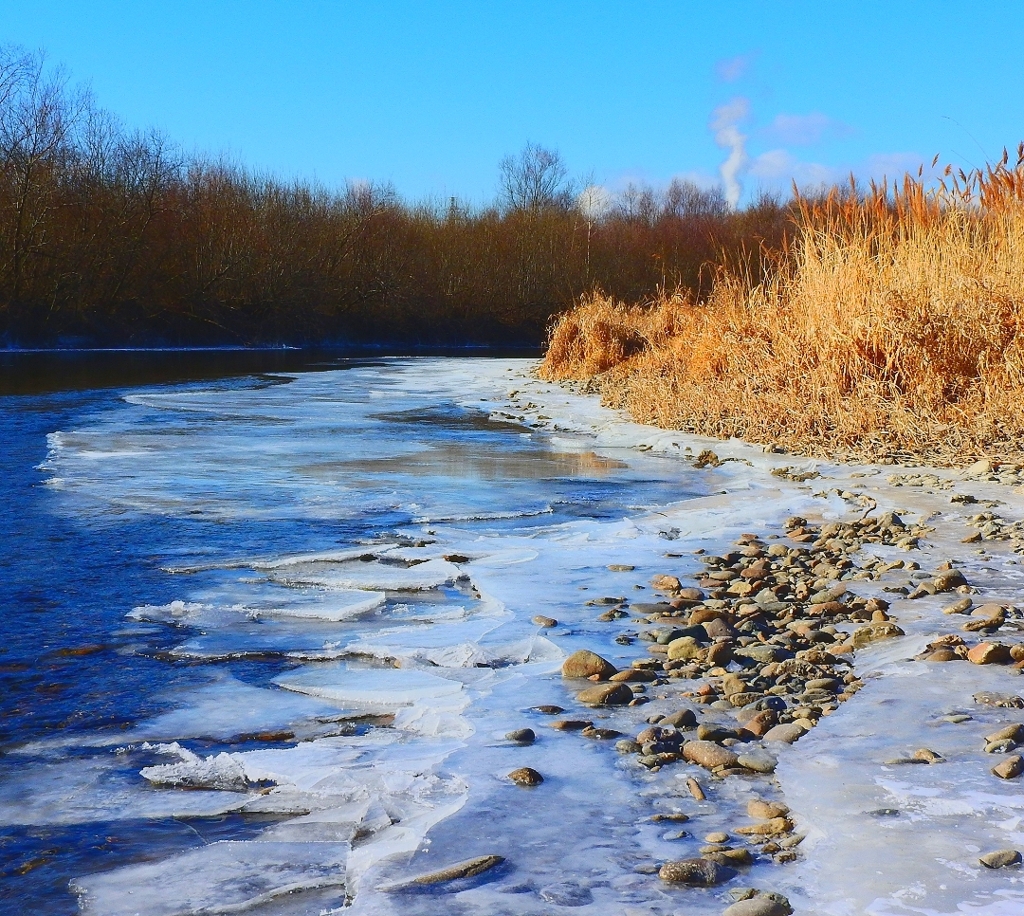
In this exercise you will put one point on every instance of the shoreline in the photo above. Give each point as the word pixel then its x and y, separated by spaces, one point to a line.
pixel 896 590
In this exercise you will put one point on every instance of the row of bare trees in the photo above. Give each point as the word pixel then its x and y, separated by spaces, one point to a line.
pixel 114 236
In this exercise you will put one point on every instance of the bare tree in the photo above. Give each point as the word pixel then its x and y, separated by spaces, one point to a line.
pixel 536 179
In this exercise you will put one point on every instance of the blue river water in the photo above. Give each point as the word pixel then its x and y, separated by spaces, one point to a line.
pixel 138 483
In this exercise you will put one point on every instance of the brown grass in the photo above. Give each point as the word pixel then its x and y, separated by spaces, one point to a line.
pixel 890 328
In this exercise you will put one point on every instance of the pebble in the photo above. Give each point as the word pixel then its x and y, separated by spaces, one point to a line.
pixel 760 905
pixel 585 663
pixel 757 761
pixel 1014 732
pixel 695 872
pixel 468 869
pixel 1000 700
pixel 606 695
pixel 873 632
pixel 786 733
pixel 548 710
pixel 766 810
pixel 526 776
pixel 1001 858
pixel 522 736
pixel 545 622
pixel 1010 768
pixel 708 754
pixel 571 725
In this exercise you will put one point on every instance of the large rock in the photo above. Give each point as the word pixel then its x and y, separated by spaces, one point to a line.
pixel 708 754
pixel 695 872
pixel 585 663
pixel 606 695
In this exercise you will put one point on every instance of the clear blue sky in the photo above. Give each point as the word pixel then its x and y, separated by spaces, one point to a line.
pixel 430 95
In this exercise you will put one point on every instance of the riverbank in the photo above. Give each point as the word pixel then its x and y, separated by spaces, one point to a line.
pixel 889 328
pixel 893 588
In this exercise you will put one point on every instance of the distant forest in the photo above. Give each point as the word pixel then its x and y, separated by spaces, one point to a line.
pixel 110 236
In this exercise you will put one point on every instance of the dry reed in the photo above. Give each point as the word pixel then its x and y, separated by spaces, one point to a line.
pixel 890 328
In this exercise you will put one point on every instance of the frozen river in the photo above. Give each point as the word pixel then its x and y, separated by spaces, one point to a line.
pixel 264 636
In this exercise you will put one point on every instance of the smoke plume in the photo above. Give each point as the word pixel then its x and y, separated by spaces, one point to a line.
pixel 725 123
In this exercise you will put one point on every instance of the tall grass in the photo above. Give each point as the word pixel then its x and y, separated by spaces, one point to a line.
pixel 890 327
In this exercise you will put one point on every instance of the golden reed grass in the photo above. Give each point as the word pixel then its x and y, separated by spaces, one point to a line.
pixel 889 327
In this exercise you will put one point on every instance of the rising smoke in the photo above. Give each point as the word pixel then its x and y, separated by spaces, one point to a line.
pixel 725 124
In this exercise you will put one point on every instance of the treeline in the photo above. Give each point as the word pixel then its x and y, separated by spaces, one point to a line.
pixel 111 236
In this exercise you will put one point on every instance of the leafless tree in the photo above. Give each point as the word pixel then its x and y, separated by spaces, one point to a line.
pixel 536 179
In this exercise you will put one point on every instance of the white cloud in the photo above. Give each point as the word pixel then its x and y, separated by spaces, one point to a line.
pixel 805 130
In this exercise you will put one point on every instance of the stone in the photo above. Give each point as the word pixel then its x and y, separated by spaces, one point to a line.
pixel 522 736
pixel 526 776
pixel 684 648
pixel 733 683
pixel 584 663
pixel 787 733
pixel 1010 768
pixel 468 869
pixel 1000 700
pixel 760 905
pixel 1014 733
pixel 959 607
pixel 666 583
pixel 634 676
pixel 571 725
pixel 685 718
pixel 757 761
pixel 947 581
pixel 548 709
pixel 1001 858
pixel 606 695
pixel 873 632
pixel 772 827
pixel 545 622
pixel 766 810
pixel 989 653
pixel 728 856
pixel 942 654
pixel 695 873
pixel 708 754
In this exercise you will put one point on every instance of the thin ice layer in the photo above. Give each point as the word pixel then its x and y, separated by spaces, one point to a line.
pixel 224 877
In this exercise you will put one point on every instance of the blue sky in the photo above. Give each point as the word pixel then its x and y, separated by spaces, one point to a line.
pixel 430 96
